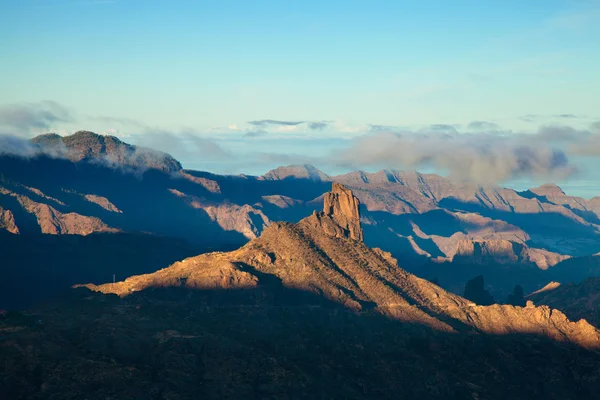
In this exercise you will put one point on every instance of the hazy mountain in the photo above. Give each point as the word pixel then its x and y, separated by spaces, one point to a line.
pixel 89 146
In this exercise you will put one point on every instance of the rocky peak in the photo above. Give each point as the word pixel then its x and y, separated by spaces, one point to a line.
pixel 548 190
pixel 305 171
pixel 343 208
pixel 86 145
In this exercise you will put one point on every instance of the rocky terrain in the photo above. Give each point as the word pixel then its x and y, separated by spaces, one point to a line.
pixel 437 228
pixel 306 310
pixel 576 300
pixel 324 254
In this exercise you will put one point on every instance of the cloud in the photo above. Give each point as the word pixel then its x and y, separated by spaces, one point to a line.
pixel 12 145
pixel 566 116
pixel 119 121
pixel 287 125
pixel 22 119
pixel 318 125
pixel 482 157
pixel 267 122
pixel 17 146
pixel 183 144
pixel 256 133
pixel 271 159
pixel 538 118
pixel 576 142
pixel 483 125
pixel 383 128
pixel 442 128
pixel 529 118
pixel 561 133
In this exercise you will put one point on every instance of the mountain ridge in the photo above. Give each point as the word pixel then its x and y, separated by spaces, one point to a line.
pixel 422 219
pixel 324 254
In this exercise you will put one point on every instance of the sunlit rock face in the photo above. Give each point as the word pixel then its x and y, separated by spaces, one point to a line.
pixel 343 207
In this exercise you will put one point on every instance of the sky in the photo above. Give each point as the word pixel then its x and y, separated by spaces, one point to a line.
pixel 494 91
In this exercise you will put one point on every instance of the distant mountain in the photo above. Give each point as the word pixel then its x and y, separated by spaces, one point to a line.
pixel 89 146
pixel 306 310
pixel 305 171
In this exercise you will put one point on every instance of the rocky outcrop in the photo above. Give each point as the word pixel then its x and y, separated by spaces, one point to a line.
pixel 548 190
pixel 475 291
pixel 482 251
pixel 517 298
pixel 281 201
pixel 312 256
pixel 545 259
pixel 54 222
pixel 387 191
pixel 7 221
pixel 209 184
pixel 548 287
pixel 244 219
pixel 341 213
pixel 102 202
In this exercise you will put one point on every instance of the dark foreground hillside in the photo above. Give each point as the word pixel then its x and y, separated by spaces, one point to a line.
pixel 35 267
pixel 268 344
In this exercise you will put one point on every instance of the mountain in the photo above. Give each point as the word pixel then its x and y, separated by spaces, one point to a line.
pixel 305 171
pixel 437 228
pixel 324 254
pixel 306 310
pixel 85 145
pixel 576 300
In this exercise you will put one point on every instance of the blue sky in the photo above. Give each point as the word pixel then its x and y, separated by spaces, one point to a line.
pixel 209 68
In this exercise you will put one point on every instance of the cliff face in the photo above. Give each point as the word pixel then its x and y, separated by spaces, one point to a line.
pixel 245 219
pixel 342 208
pixel 7 221
pixel 505 252
pixel 50 220
pixel 320 256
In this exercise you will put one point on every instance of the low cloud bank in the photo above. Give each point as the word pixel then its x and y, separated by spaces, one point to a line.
pixel 21 119
pixel 478 157
pixel 483 153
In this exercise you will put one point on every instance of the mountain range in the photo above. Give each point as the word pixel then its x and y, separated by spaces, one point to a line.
pixel 91 185
pixel 305 310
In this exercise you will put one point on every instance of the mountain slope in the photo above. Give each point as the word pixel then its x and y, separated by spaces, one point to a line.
pixel 576 300
pixel 86 183
pixel 324 254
